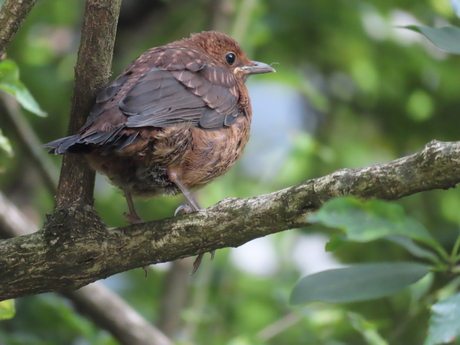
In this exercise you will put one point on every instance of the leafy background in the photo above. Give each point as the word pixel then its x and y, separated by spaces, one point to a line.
pixel 351 89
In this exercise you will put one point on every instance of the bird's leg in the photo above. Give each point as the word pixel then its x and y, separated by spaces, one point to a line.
pixel 175 179
pixel 193 207
pixel 132 217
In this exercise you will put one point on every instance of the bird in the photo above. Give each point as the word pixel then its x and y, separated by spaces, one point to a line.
pixel 174 120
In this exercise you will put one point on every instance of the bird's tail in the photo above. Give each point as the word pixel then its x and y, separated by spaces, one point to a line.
pixel 105 142
pixel 71 144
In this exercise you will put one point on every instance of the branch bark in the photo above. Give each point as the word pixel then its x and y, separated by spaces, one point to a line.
pixel 75 248
pixel 12 15
pixel 92 73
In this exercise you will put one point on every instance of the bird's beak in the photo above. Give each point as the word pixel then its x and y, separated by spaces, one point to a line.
pixel 256 68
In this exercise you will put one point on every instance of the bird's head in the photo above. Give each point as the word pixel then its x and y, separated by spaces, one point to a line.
pixel 229 53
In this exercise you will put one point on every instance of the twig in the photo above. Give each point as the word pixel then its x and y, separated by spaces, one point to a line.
pixel 102 305
pixel 221 13
pixel 174 296
pixel 278 326
pixel 12 221
pixel 29 142
pixel 198 301
pixel 242 19
pixel 75 248
pixel 12 15
pixel 109 311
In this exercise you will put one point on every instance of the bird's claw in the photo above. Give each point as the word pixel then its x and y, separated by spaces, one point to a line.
pixel 197 262
pixel 146 272
pixel 183 209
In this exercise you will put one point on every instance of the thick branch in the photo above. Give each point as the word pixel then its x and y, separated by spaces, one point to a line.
pixel 92 72
pixel 75 248
pixel 12 15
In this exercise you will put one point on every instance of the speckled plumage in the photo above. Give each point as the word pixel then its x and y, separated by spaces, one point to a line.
pixel 177 118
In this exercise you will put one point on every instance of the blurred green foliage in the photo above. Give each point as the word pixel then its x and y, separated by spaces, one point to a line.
pixel 9 82
pixel 370 92
pixel 7 309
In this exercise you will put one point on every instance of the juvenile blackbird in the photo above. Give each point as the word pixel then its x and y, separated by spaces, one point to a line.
pixel 177 118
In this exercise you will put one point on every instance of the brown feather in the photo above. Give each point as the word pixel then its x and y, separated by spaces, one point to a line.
pixel 178 110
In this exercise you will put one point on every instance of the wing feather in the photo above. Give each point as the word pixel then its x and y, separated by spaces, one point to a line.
pixel 164 98
pixel 179 86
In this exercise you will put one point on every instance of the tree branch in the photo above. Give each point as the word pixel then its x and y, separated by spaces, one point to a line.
pixel 75 248
pixel 95 301
pixel 112 313
pixel 92 73
pixel 12 15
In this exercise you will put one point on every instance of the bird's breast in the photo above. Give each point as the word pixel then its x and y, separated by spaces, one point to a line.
pixel 196 155
pixel 213 153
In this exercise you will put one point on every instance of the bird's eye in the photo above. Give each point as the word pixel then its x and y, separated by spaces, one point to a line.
pixel 230 58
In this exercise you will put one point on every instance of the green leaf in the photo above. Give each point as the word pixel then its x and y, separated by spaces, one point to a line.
pixel 367 329
pixel 421 288
pixel 357 283
pixel 7 309
pixel 370 220
pixel 413 248
pixel 446 38
pixel 445 321
pixel 5 145
pixel 9 82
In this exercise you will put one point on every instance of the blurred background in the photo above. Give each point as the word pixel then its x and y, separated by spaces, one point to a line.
pixel 352 89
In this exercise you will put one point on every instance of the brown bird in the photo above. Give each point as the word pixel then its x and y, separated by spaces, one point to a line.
pixel 177 118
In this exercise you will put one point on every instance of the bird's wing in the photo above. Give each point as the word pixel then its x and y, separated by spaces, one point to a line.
pixel 160 100
pixel 183 86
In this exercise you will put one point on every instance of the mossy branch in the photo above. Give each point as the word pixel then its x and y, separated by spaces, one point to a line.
pixel 75 248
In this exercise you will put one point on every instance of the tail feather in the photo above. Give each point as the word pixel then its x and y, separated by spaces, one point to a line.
pixel 69 144
pixel 106 142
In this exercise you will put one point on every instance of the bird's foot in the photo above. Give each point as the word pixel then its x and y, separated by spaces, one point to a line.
pixel 132 218
pixel 183 209
pixel 197 262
